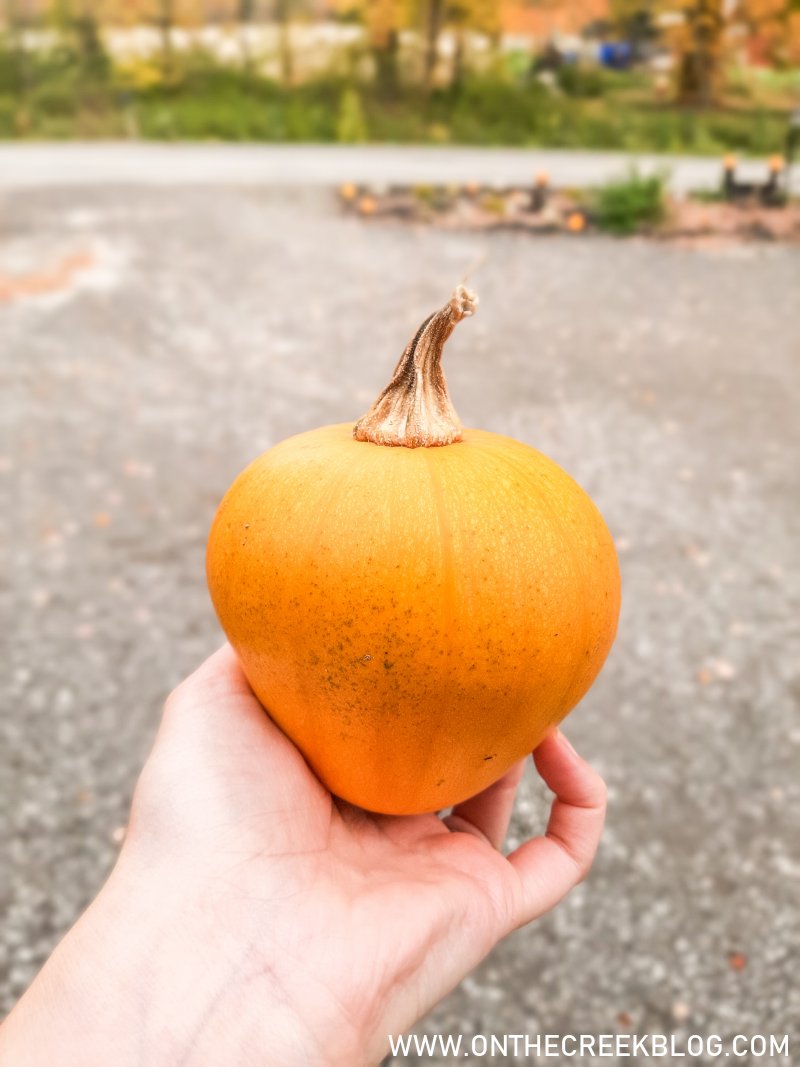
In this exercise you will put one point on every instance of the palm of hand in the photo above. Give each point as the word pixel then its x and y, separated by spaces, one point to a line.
pixel 364 920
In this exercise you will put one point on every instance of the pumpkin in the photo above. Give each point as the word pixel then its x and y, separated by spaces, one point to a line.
pixel 415 604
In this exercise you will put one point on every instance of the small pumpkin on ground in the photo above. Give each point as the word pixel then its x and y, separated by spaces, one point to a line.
pixel 415 604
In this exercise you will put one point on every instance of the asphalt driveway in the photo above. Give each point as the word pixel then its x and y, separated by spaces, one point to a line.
pixel 152 341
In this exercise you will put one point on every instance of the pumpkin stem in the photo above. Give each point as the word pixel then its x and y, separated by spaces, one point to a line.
pixel 414 409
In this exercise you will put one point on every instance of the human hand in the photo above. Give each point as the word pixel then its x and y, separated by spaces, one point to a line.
pixel 252 918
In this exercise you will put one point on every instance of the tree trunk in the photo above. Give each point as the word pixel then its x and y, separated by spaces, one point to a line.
pixel 458 57
pixel 697 73
pixel 166 19
pixel 19 56
pixel 283 12
pixel 245 19
pixel 386 63
pixel 435 12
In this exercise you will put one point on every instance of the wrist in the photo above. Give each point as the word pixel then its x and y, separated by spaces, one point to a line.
pixel 138 980
pixel 81 1007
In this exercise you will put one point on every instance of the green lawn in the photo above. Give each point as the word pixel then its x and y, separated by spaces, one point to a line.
pixel 57 96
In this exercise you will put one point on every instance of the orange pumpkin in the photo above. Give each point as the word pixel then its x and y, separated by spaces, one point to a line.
pixel 415 605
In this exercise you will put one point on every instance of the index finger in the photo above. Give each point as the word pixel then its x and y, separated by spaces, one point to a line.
pixel 548 867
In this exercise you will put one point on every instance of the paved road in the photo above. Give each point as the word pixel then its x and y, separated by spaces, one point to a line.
pixel 194 328
pixel 25 166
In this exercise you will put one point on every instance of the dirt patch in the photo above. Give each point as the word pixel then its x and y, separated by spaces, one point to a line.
pixel 54 277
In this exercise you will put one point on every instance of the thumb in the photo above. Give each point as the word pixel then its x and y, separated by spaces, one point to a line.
pixel 216 717
pixel 218 760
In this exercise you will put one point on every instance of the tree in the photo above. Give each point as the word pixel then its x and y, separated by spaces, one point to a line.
pixel 283 14
pixel 461 17
pixel 464 16
pixel 383 20
pixel 245 9
pixel 775 26
pixel 701 39
pixel 77 24
pixel 434 10
pixel 19 65
pixel 698 42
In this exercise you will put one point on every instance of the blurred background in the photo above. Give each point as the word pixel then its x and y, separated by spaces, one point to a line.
pixel 662 75
pixel 167 313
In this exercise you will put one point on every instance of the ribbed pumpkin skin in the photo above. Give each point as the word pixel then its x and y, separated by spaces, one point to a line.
pixel 415 620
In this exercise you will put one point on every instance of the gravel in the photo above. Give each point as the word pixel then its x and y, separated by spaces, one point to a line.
pixel 174 334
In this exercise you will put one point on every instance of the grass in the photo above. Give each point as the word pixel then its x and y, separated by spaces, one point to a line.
pixel 64 94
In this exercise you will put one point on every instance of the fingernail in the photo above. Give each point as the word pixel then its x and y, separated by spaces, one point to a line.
pixel 566 743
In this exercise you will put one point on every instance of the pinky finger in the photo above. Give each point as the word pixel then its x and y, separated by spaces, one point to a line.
pixel 548 867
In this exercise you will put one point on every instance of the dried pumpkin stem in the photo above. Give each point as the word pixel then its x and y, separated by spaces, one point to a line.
pixel 414 410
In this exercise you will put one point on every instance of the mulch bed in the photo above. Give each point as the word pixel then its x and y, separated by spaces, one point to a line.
pixel 540 209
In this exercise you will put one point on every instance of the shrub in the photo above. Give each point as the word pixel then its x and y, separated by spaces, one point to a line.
pixel 351 126
pixel 73 89
pixel 574 79
pixel 625 205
